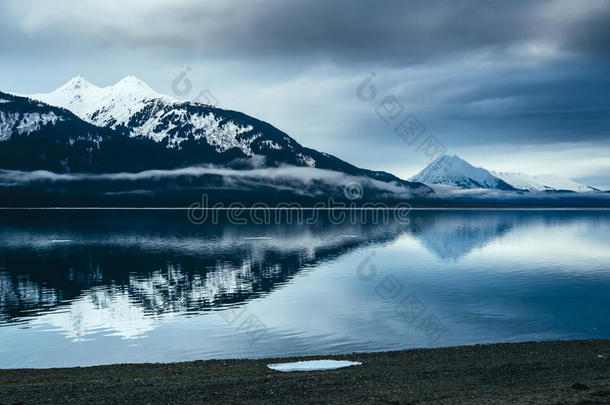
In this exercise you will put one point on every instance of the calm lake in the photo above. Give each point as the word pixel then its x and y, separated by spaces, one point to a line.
pixel 98 286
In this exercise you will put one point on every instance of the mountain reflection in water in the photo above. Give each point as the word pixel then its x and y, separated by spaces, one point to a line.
pixel 489 275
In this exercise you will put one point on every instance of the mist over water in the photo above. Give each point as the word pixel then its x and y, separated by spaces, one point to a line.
pixel 100 287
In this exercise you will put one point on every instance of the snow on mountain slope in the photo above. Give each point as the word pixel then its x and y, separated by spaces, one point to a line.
pixel 132 104
pixel 164 136
pixel 454 171
pixel 540 183
pixel 175 123
pixel 24 123
pixel 103 106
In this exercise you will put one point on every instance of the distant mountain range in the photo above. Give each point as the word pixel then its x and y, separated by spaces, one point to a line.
pixel 81 129
pixel 456 172
pixel 453 171
pixel 126 145
pixel 199 133
pixel 542 182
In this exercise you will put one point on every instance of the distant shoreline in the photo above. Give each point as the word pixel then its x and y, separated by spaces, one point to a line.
pixel 538 372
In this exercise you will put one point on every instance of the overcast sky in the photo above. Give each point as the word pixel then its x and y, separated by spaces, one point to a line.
pixel 512 86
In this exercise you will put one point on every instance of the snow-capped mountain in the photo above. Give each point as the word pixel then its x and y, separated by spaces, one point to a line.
pixel 542 182
pixel 213 134
pixel 133 105
pixel 454 171
pixel 50 156
pixel 103 106
pixel 37 136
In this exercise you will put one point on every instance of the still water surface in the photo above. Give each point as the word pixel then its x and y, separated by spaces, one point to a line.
pixel 99 287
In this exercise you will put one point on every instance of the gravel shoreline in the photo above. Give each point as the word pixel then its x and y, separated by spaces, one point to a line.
pixel 553 372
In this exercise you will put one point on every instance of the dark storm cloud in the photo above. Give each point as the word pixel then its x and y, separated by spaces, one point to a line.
pixel 391 31
pixel 591 36
pixel 475 72
pixel 562 103
pixel 386 31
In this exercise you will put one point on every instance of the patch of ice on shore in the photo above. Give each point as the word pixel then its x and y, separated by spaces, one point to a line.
pixel 312 365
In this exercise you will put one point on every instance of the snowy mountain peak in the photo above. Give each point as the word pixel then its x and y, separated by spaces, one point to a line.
pixel 68 93
pixel 453 161
pixel 454 171
pixel 134 105
pixel 109 106
pixel 131 84
pixel 127 85
pixel 75 83
pixel 132 79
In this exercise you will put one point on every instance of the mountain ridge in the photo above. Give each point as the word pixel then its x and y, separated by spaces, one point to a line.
pixel 454 171
pixel 451 170
pixel 36 137
pixel 158 148
pixel 178 124
pixel 542 182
